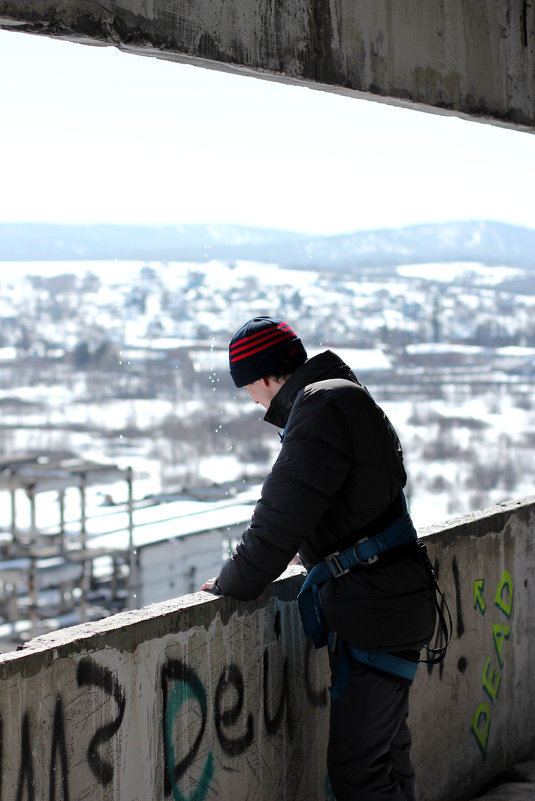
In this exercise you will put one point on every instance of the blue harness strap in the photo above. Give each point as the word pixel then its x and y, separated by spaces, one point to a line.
pixel 365 552
pixel 388 663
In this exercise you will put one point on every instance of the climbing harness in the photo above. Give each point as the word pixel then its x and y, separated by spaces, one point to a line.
pixel 387 663
pixel 366 552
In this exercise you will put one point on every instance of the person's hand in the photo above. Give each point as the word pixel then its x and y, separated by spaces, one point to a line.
pixel 212 586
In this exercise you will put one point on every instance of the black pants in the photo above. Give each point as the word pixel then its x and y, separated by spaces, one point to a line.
pixel 368 756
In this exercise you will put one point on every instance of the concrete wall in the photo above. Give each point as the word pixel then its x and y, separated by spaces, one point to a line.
pixel 475 58
pixel 208 698
pixel 473 715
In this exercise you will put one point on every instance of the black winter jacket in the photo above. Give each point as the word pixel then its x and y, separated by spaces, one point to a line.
pixel 337 479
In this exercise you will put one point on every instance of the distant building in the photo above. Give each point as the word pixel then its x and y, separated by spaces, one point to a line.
pixel 178 545
pixel 56 573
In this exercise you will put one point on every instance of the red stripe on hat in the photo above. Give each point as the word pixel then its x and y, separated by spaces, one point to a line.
pixel 263 342
pixel 281 332
pixel 264 346
pixel 264 333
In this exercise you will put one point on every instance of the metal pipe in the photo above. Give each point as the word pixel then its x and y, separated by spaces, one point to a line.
pixel 13 492
pixel 132 555
pixel 32 573
pixel 61 500
pixel 83 546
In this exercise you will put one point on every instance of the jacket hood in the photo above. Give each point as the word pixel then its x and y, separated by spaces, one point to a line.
pixel 324 366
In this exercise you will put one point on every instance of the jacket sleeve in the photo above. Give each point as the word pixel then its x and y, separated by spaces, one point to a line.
pixel 313 462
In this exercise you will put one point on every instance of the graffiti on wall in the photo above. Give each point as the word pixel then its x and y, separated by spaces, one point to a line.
pixel 223 724
pixel 492 672
pixel 500 599
pixel 89 674
pixel 235 728
pixel 221 721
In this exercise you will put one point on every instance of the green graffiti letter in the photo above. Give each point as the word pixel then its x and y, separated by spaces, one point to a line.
pixel 478 595
pixel 329 795
pixel 500 633
pixel 481 730
pixel 491 681
pixel 190 687
pixel 506 583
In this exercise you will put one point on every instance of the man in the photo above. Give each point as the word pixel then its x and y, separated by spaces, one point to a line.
pixel 338 480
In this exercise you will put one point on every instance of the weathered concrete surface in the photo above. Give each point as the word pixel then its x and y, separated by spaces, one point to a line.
pixel 477 719
pixel 475 59
pixel 191 699
pixel 515 784
pixel 208 698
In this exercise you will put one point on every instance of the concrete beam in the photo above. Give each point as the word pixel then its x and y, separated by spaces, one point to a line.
pixel 475 59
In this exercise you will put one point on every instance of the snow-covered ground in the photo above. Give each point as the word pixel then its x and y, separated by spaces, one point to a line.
pixel 460 454
pixel 464 448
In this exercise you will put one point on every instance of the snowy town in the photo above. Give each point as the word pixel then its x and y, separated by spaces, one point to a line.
pixel 131 463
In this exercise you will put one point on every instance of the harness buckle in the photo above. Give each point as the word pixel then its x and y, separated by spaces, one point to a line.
pixel 335 566
pixel 370 560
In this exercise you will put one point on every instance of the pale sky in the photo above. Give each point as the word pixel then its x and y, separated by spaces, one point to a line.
pixel 90 134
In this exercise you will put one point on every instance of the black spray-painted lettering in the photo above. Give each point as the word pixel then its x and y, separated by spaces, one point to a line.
pixel 91 674
pixel 459 606
pixel 316 698
pixel 272 723
pixel 26 762
pixel 231 679
pixel 58 748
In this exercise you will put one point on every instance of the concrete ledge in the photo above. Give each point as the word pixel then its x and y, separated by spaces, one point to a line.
pixel 472 59
pixel 205 697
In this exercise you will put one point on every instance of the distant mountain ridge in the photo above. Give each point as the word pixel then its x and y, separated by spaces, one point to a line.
pixel 482 241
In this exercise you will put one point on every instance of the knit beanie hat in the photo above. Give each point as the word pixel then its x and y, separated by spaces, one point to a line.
pixel 261 348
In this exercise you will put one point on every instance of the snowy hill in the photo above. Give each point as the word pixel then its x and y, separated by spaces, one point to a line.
pixel 485 242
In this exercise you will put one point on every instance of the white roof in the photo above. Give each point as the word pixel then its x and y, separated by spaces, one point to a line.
pixel 358 358
pixel 167 521
pixel 443 347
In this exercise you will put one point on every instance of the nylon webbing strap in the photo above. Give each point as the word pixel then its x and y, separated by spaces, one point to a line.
pixel 388 663
pixel 365 552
